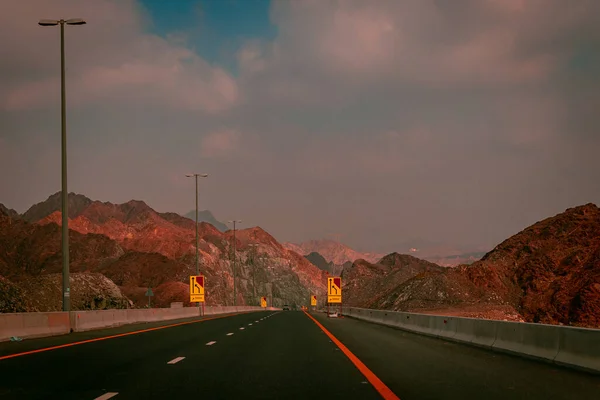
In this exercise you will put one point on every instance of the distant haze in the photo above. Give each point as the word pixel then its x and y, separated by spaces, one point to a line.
pixel 387 124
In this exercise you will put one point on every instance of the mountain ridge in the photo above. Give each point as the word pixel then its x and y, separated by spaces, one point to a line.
pixel 135 246
pixel 547 273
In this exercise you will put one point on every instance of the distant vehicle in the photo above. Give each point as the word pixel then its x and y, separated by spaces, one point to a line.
pixel 286 307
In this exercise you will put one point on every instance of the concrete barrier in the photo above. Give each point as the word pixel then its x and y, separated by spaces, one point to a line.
pixel 532 340
pixel 30 325
pixel 577 348
pixel 38 324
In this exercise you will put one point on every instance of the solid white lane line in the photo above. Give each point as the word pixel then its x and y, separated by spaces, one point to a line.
pixel 107 396
pixel 210 343
pixel 230 333
pixel 242 328
pixel 175 360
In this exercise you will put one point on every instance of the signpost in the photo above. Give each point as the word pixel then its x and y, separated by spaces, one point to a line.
pixel 263 302
pixel 313 300
pixel 334 292
pixel 197 290
pixel 149 293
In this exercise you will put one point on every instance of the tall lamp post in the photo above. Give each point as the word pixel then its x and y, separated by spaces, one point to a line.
pixel 197 176
pixel 234 252
pixel 64 192
pixel 263 260
pixel 255 247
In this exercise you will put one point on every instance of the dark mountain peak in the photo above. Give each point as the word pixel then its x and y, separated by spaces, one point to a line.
pixel 9 212
pixel 207 216
pixel 77 204
pixel 319 261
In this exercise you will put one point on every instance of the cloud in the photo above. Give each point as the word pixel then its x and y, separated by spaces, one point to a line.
pixel 111 59
pixel 221 143
pixel 456 122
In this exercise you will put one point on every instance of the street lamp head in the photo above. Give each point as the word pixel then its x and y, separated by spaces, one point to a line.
pixel 54 22
pixel 200 175
pixel 48 22
pixel 75 21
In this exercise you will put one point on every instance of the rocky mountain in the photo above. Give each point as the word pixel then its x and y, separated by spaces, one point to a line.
pixel 547 273
pixel 207 216
pixel 332 251
pixel 366 283
pixel 77 203
pixel 9 211
pixel 134 247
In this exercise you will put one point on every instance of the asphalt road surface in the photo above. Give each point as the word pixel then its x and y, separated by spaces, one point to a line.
pixel 274 355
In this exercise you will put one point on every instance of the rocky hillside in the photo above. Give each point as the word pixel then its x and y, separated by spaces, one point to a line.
pixel 135 247
pixel 9 211
pixel 365 284
pixel 548 273
pixel 332 251
pixel 89 291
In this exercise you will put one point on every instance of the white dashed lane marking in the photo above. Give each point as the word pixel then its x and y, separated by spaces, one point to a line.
pixel 211 343
pixel 230 333
pixel 175 360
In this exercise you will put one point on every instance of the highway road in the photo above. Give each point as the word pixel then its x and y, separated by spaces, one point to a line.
pixel 273 355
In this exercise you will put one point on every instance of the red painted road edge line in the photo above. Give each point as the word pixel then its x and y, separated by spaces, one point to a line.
pixel 381 387
pixel 60 346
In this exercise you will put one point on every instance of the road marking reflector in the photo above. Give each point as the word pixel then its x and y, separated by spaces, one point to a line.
pixel 175 360
pixel 107 396
pixel 211 343
pixel 230 333
pixel 381 387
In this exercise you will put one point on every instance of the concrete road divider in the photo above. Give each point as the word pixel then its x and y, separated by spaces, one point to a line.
pixel 39 324
pixel 577 348
pixel 31 325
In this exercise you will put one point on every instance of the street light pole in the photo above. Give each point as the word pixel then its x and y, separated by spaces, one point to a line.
pixel 64 193
pixel 234 251
pixel 255 247
pixel 196 176
pixel 263 259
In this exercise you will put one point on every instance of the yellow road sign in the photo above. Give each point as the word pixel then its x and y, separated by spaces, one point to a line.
pixel 263 302
pixel 197 289
pixel 334 289
pixel 313 300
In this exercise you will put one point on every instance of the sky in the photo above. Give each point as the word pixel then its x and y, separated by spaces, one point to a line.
pixel 388 124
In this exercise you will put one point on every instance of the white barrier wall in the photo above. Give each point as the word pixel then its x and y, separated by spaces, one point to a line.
pixel 38 324
pixel 33 324
pixel 573 347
